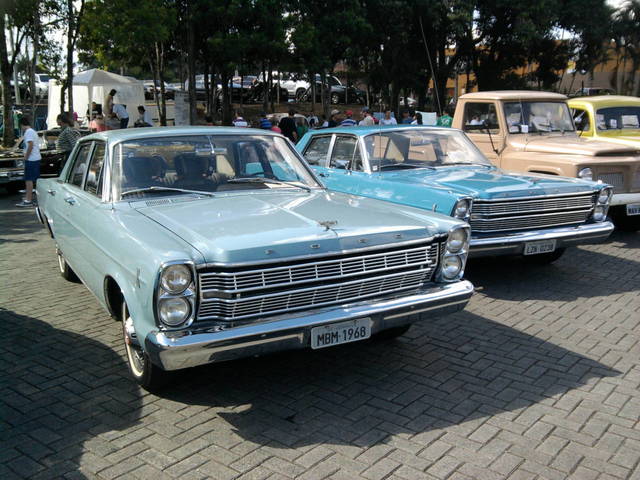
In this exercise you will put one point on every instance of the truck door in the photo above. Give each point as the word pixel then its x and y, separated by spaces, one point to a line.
pixel 481 123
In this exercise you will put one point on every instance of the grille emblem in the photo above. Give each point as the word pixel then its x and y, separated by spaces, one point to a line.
pixel 315 246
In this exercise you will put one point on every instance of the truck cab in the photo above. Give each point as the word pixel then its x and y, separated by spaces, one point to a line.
pixel 534 132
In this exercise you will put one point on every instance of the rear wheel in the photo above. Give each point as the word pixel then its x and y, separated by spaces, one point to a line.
pixel 144 372
pixel 544 258
pixel 65 270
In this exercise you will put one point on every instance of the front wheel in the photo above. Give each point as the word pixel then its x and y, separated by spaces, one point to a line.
pixel 628 223
pixel 544 258
pixel 65 270
pixel 145 373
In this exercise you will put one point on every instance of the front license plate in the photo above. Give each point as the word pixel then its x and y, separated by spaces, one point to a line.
pixel 543 246
pixel 633 209
pixel 339 333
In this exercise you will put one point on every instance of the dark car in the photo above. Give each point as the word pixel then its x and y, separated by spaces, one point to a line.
pixel 337 94
pixel 12 161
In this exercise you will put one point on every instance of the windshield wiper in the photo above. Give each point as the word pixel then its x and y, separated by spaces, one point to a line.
pixel 466 163
pixel 165 189
pixel 403 165
pixel 267 180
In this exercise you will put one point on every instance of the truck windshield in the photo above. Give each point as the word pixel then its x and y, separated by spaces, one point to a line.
pixel 421 148
pixel 207 163
pixel 538 117
pixel 618 118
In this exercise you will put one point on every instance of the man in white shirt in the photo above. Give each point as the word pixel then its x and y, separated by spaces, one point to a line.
pixel 31 148
pixel 120 111
pixel 144 119
pixel 367 119
pixel 388 119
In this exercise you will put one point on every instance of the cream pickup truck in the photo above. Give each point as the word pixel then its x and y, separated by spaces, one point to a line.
pixel 533 132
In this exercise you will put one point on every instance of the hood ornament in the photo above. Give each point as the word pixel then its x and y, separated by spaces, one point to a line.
pixel 328 224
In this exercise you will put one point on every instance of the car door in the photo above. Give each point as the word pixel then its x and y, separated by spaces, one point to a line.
pixel 344 155
pixel 316 153
pixel 71 206
pixel 93 220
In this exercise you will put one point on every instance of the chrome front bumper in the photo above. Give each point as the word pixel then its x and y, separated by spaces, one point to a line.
pixel 513 244
pixel 624 198
pixel 182 349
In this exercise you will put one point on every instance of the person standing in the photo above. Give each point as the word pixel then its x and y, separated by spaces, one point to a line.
pixel 288 126
pixel 445 120
pixel 120 112
pixel 31 160
pixel 239 121
pixel 265 123
pixel 108 103
pixel 388 119
pixel 68 135
pixel 367 119
pixel 333 119
pixel 348 122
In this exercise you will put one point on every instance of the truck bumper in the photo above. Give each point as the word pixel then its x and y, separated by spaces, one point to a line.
pixel 513 244
pixel 8 176
pixel 173 350
pixel 624 198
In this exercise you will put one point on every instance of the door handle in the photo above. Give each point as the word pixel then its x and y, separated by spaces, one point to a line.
pixel 70 200
pixel 323 174
pixel 51 192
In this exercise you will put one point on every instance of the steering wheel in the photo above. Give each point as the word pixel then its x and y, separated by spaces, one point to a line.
pixel 262 174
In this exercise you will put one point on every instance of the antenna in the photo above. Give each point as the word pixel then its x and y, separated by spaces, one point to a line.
pixel 433 75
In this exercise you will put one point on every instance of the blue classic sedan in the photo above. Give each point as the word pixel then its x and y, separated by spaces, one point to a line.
pixel 210 244
pixel 441 170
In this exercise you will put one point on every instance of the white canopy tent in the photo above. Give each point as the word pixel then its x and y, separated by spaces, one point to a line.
pixel 93 86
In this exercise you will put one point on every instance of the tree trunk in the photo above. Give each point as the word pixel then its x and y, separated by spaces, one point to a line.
pixel 70 42
pixel 7 103
pixel 191 63
pixel 156 97
pixel 34 60
pixel 226 104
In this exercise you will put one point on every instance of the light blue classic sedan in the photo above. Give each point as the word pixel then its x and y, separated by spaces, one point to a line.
pixel 210 244
pixel 440 169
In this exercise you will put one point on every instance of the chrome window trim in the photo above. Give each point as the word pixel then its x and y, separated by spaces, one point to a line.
pixel 323 254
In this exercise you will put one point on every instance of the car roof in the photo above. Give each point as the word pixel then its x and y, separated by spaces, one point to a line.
pixel 155 132
pixel 607 100
pixel 514 95
pixel 362 131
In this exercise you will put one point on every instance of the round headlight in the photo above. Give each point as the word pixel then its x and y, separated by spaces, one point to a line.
pixel 457 239
pixel 604 196
pixel 462 209
pixel 175 279
pixel 585 174
pixel 174 311
pixel 599 213
pixel 451 266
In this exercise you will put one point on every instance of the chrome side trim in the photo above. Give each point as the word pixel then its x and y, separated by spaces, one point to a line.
pixel 192 347
pixel 425 240
pixel 513 244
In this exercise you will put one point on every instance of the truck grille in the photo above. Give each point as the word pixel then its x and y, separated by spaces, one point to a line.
pixel 7 163
pixel 616 180
pixel 523 214
pixel 248 292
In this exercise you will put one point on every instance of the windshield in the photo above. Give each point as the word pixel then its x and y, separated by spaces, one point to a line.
pixel 538 117
pixel 419 148
pixel 618 118
pixel 218 163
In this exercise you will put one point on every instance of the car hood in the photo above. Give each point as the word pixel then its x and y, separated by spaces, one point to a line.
pixel 258 227
pixel 568 144
pixel 489 182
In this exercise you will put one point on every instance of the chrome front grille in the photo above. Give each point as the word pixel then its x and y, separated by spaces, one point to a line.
pixel 255 292
pixel 616 180
pixel 523 214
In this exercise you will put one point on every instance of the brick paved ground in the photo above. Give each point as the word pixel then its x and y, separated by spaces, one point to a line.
pixel 538 378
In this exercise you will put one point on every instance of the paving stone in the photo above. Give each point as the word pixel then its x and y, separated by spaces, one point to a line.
pixel 537 379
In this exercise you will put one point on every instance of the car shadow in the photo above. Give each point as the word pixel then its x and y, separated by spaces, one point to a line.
pixel 582 272
pixel 58 391
pixel 448 371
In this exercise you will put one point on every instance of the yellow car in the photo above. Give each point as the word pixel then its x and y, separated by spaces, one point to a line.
pixel 612 118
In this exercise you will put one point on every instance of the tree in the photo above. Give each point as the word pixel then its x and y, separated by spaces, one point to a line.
pixel 121 32
pixel 19 16
pixel 626 31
